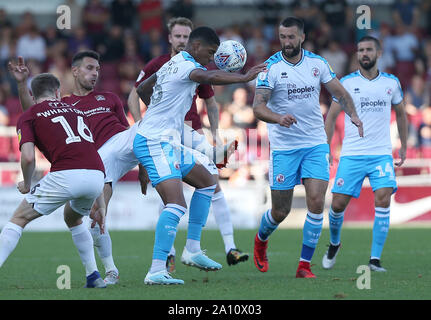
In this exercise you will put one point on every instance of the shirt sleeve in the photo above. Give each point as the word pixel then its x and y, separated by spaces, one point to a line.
pixel 265 80
pixel 24 129
pixel 205 91
pixel 327 73
pixel 398 95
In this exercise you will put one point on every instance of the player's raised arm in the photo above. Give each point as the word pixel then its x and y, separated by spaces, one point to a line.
pixel 346 102
pixel 262 112
pixel 219 77
pixel 20 73
pixel 145 89
pixel 402 125
pixel 27 166
pixel 134 105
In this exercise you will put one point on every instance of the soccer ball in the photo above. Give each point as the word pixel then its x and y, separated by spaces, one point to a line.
pixel 230 56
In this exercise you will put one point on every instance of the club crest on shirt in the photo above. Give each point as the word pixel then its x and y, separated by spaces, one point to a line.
pixel 315 72
pixel 340 182
pixel 388 91
pixel 177 165
pixel 100 97
pixel 280 178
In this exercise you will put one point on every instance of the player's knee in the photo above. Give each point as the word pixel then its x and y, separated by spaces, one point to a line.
pixel 383 202
pixel 279 214
pixel 338 206
pixel 316 204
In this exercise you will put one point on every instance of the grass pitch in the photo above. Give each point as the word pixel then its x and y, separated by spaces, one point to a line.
pixel 31 270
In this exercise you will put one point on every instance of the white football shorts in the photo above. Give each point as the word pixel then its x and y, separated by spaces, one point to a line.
pixel 79 186
pixel 118 156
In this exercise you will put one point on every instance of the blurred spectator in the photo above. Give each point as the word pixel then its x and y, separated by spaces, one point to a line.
pixel 4 114
pixel 31 45
pixel 323 36
pixel 75 13
pixel 243 116
pixel 79 41
pixel 270 11
pixel 338 14
pixel 415 94
pixel 405 46
pixel 308 11
pixel 150 15
pixel 257 42
pixel 56 43
pixel 336 58
pixel 112 48
pixel 4 20
pixel 95 17
pixel 60 68
pixel 405 12
pixel 424 136
pixel 231 33
pixel 152 44
pixel 7 46
pixel 26 23
pixel 426 12
pixel 123 13
pixel 182 8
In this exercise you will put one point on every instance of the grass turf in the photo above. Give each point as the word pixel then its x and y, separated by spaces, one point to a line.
pixel 31 271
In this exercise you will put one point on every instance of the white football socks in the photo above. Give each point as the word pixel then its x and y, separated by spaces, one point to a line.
pixel 84 243
pixel 103 244
pixel 222 216
pixel 9 237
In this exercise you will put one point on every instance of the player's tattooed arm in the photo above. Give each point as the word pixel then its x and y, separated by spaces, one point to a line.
pixel 145 89
pixel 262 112
pixel 346 102
pixel 402 125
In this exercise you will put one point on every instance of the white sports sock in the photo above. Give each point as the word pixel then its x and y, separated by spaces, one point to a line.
pixel 222 216
pixel 103 244
pixel 157 265
pixel 9 237
pixel 84 243
pixel 193 246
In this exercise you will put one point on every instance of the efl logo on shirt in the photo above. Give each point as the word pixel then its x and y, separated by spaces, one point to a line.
pixel 19 135
pixel 100 98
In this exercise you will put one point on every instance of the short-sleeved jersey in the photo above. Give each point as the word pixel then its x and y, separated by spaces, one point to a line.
pixel 105 114
pixel 171 99
pixel 204 91
pixel 373 100
pixel 296 90
pixel 61 133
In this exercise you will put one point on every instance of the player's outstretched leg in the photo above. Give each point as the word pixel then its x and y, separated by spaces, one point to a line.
pixel 103 245
pixel 12 231
pixel 84 243
pixel 199 209
pixel 266 228
pixel 223 219
pixel 164 238
pixel 335 224
pixel 170 261
pixel 380 232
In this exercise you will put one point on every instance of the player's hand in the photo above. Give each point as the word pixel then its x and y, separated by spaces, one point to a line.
pixel 402 154
pixel 144 179
pixel 19 70
pixel 98 217
pixel 23 188
pixel 254 71
pixel 286 120
pixel 358 123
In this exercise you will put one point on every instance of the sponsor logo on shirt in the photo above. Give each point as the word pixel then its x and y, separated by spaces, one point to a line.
pixel 295 93
pixel 284 75
pixel 368 105
pixel 357 90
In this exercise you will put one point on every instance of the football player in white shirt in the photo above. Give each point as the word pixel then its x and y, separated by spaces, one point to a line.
pixel 168 95
pixel 287 98
pixel 374 92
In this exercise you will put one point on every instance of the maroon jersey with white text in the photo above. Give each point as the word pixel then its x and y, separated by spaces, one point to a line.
pixel 204 91
pixel 105 114
pixel 61 133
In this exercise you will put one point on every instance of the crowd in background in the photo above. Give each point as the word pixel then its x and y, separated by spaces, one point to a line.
pixel 128 34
